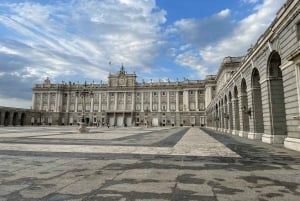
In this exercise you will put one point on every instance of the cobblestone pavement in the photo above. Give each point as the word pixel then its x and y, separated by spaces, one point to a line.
pixel 57 163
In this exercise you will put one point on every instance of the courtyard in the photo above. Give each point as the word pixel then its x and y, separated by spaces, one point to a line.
pixel 139 163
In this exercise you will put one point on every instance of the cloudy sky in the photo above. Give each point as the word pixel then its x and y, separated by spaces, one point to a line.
pixel 74 40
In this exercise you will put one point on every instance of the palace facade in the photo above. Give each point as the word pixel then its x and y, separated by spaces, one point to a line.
pixel 256 96
pixel 124 102
pixel 261 98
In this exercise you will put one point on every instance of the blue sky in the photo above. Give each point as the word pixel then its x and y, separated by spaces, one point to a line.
pixel 158 39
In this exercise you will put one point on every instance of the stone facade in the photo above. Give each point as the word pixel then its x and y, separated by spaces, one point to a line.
pixel 10 116
pixel 124 102
pixel 261 98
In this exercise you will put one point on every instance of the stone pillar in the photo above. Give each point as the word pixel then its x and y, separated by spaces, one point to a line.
pixel 236 110
pixel 100 103
pixel 48 101
pixel 107 101
pixel 92 105
pixel 177 101
pixel 186 100
pixel 41 101
pixel 159 101
pixel 243 127
pixel 125 102
pixel 133 101
pixel 196 100
pixel 230 115
pixel 76 104
pixel 116 101
pixel 68 101
pixel 151 100
pixel 142 101
pixel 168 101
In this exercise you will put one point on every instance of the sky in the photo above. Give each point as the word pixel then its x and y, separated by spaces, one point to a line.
pixel 75 40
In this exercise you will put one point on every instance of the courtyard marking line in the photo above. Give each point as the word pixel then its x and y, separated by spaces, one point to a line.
pixel 194 143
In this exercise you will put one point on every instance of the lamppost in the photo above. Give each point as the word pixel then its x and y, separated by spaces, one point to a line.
pixel 83 92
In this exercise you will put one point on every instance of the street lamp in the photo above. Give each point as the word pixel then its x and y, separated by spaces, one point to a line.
pixel 83 92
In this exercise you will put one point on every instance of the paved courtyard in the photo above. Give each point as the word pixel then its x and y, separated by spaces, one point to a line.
pixel 57 163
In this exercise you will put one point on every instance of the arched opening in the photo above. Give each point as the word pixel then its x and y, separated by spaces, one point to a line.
pixel 15 119
pixel 23 117
pixel 230 115
pixel 6 118
pixel 258 120
pixel 245 111
pixel 226 115
pixel 236 108
pixel 276 101
pixel 0 118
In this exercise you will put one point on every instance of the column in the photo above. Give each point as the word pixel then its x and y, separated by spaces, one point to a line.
pixel 48 103
pixel 92 105
pixel 100 103
pixel 76 104
pixel 133 101
pixel 142 101
pixel 159 101
pixel 107 101
pixel 68 101
pixel 151 100
pixel 116 101
pixel 196 100
pixel 177 101
pixel 125 100
pixel 168 101
pixel 41 101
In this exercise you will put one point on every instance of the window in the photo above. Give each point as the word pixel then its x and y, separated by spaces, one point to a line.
pixel 154 107
pixel 172 106
pixel 146 94
pixel 163 93
pixel 137 94
pixel 192 106
pixel 154 93
pixel 181 93
pixel 172 93
pixel 129 94
pixel 164 107
pixel 138 106
pixel 191 92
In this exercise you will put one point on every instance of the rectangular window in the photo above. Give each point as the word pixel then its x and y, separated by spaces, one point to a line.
pixel 163 93
pixel 154 93
pixel 138 106
pixel 172 93
pixel 137 94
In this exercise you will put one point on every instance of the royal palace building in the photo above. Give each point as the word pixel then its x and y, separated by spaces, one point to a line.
pixel 256 96
pixel 124 102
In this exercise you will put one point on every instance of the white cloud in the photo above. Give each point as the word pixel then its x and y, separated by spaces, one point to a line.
pixel 76 39
pixel 246 33
pixel 210 53
pixel 15 102
pixel 224 13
